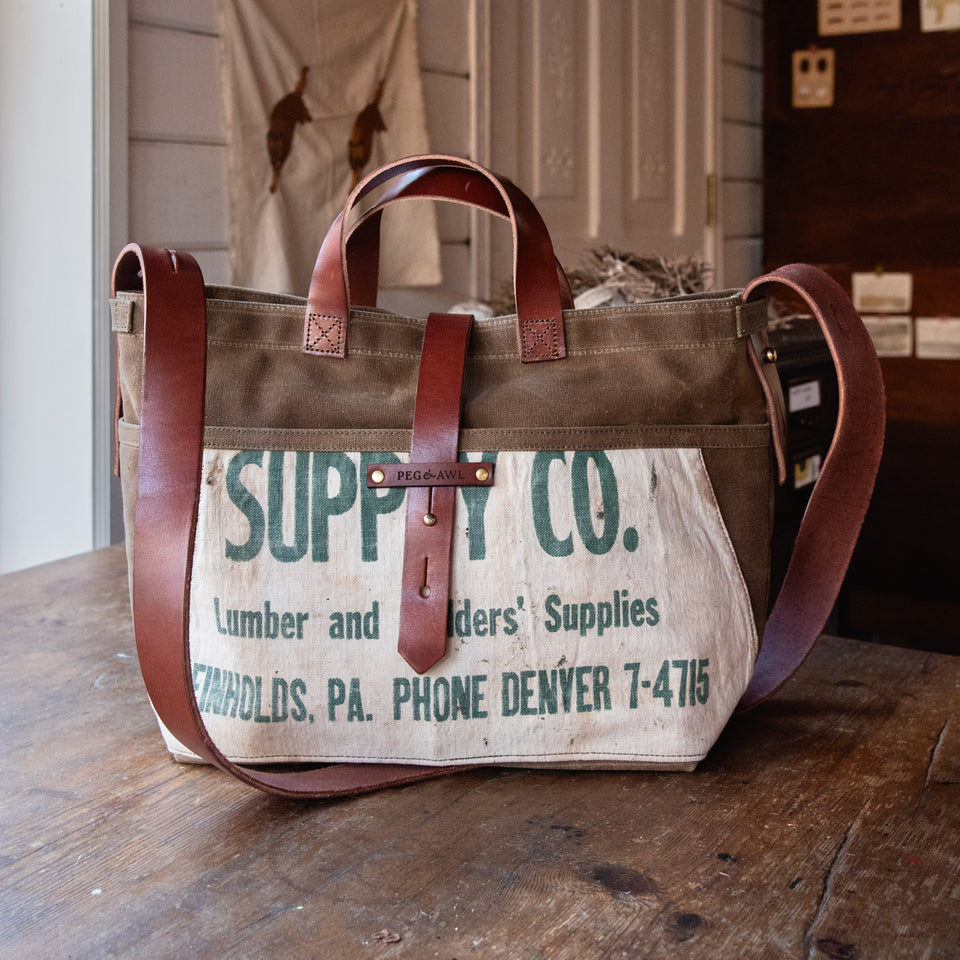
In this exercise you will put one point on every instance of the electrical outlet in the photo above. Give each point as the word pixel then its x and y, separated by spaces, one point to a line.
pixel 813 78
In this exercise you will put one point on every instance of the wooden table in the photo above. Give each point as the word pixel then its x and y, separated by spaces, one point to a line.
pixel 824 824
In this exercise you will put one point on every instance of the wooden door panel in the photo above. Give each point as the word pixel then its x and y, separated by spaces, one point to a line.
pixel 598 112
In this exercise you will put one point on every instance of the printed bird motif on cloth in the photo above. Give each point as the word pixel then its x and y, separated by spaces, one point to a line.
pixel 286 114
pixel 369 122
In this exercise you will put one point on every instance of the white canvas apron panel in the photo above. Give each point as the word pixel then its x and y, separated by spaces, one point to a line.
pixel 597 613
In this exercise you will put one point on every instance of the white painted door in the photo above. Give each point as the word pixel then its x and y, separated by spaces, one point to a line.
pixel 602 110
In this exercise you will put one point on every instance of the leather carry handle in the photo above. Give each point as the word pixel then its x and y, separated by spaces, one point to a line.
pixel 438 183
pixel 539 304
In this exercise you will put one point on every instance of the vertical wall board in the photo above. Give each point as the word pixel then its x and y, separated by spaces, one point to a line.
pixel 178 194
pixel 742 36
pixel 742 93
pixel 447 106
pixel 742 153
pixel 741 205
pixel 741 110
pixel 196 15
pixel 744 258
pixel 419 301
pixel 174 92
pixel 442 27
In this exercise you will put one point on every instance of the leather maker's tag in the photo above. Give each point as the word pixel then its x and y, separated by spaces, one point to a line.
pixel 429 475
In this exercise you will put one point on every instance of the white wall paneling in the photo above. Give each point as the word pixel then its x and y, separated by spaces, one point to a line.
pixel 173 84
pixel 555 84
pixel 189 177
pixel 177 147
pixel 610 112
pixel 177 152
pixel 740 253
pixel 184 15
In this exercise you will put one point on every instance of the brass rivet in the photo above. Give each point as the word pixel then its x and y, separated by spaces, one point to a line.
pixel 482 474
pixel 429 519
pixel 770 355
pixel 377 476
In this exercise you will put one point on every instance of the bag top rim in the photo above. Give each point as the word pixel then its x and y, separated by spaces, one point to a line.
pixel 689 320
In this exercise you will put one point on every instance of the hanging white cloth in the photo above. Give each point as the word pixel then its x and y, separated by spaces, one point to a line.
pixel 300 81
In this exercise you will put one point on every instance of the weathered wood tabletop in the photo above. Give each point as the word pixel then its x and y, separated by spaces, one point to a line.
pixel 824 824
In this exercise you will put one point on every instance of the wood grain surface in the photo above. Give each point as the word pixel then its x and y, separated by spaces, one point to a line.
pixel 824 824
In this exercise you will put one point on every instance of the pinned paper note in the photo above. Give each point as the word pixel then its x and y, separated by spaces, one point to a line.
pixel 803 396
pixel 892 336
pixel 939 15
pixel 938 338
pixel 880 292
pixel 858 16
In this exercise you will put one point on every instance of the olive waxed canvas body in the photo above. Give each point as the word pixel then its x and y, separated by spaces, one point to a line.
pixel 607 591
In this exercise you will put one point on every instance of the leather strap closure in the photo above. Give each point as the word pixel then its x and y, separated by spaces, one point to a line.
pixel 429 475
pixel 428 534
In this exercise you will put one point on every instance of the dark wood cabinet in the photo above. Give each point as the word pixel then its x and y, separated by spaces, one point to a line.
pixel 873 182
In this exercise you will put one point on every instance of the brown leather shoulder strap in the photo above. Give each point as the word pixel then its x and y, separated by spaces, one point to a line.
pixel 835 512
pixel 171 451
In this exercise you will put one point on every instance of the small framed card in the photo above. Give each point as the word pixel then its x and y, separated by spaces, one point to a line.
pixel 880 292
pixel 892 336
pixel 938 338
pixel 858 16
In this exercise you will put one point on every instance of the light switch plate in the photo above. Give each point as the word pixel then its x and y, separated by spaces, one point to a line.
pixel 813 78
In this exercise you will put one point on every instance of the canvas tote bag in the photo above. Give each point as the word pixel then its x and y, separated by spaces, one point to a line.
pixel 368 549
